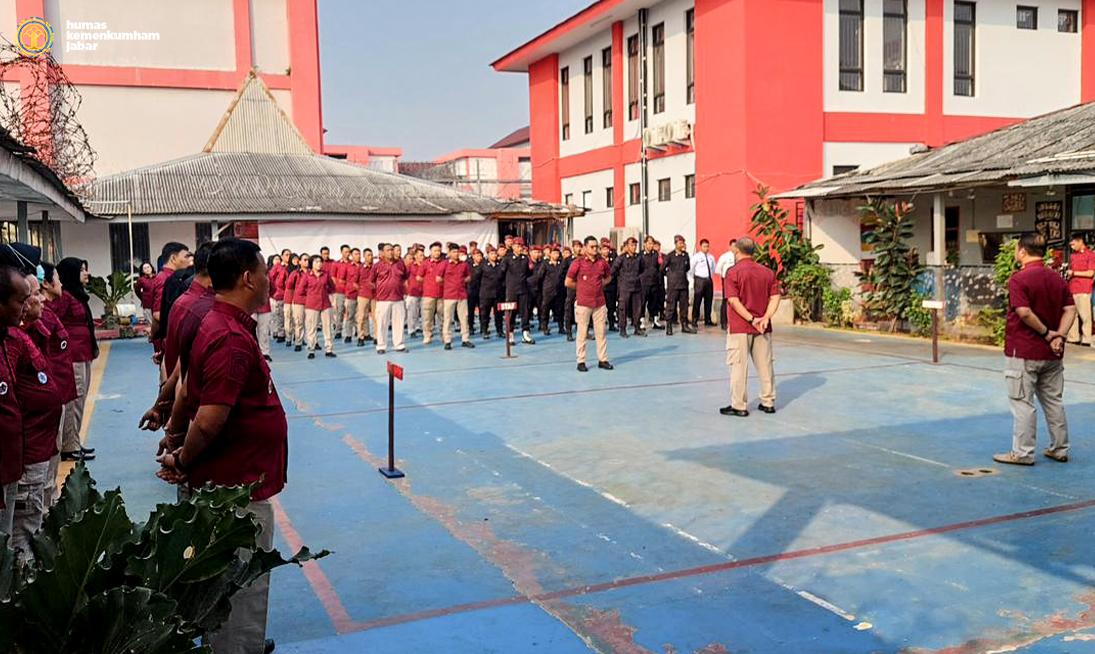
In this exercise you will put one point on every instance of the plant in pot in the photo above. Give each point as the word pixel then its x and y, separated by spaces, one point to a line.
pixel 101 584
pixel 892 280
pixel 111 291
pixel 785 248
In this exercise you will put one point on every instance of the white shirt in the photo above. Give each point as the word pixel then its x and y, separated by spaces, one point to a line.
pixel 702 265
pixel 726 262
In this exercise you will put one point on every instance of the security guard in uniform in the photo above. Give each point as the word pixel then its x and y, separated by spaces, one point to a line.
pixel 516 268
pixel 489 280
pixel 650 284
pixel 608 253
pixel 677 264
pixel 552 291
pixel 536 260
pixel 475 265
pixel 628 269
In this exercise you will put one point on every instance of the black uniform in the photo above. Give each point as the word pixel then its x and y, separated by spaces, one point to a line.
pixel 650 281
pixel 628 270
pixel 677 265
pixel 473 291
pixel 534 287
pixel 552 294
pixel 569 299
pixel 516 270
pixel 489 279
pixel 611 293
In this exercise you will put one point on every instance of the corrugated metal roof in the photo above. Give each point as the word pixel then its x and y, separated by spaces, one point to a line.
pixel 1058 142
pixel 257 162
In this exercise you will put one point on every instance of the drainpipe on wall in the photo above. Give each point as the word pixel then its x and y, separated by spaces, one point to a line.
pixel 644 182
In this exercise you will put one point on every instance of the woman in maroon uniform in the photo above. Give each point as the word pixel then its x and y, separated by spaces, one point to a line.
pixel 73 311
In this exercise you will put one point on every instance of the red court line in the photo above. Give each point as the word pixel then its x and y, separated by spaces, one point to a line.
pixel 720 567
pixel 322 587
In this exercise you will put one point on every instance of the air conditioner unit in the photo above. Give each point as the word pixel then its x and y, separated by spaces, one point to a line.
pixel 654 138
pixel 620 234
pixel 680 132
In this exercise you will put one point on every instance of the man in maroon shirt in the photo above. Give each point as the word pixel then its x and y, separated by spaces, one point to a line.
pixel 176 256
pixel 588 276
pixel 14 293
pixel 278 275
pixel 366 300
pixel 432 291
pixel 454 291
pixel 1081 271
pixel 338 271
pixel 389 277
pixel 1040 312
pixel 352 280
pixel 238 434
pixel 753 295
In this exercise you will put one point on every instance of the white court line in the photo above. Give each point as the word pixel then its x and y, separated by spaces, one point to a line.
pixel 896 453
pixel 810 597
pixel 703 544
pixel 605 494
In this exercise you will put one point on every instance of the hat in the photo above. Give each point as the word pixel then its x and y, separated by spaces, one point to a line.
pixel 463 249
pixel 631 239
pixel 576 242
pixel 509 237
pixel 678 237
pixel 490 248
pixel 518 241
pixel 606 241
pixel 473 244
pixel 537 248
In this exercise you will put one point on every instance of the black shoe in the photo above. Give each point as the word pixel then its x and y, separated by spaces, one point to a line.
pixel 76 456
pixel 467 344
pixel 668 330
pixel 640 332
pixel 349 339
pixel 331 355
pixel 623 333
pixel 267 357
pixel 570 336
pixel 767 409
pixel 527 339
pixel 311 355
pixel 297 348
pixel 279 339
pixel 361 342
pixel 658 326
pixel 688 330
pixel 710 324
pixel 486 337
pixel 604 365
pixel 731 411
pixel 448 346
pixel 87 450
pixel 582 368
pixel 288 343
pixel 269 646
pixel 381 351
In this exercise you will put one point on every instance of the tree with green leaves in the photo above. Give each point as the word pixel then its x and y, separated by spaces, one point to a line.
pixel 783 246
pixel 891 280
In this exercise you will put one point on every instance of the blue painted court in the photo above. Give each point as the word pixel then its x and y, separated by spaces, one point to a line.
pixel 546 510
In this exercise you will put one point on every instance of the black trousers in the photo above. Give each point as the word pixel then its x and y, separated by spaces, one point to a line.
pixel 551 306
pixel 631 306
pixel 676 306
pixel 473 304
pixel 612 297
pixel 704 293
pixel 723 308
pixel 524 309
pixel 568 309
pixel 653 302
pixel 487 304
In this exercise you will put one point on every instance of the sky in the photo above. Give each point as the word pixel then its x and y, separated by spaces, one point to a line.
pixel 416 74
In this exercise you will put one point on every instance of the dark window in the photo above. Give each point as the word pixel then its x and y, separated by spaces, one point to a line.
pixel 689 186
pixel 665 190
pixel 203 233
pixel 587 69
pixel 564 81
pixel 568 199
pixel 1067 20
pixel 1026 18
pixel 120 258
pixel 606 85
pixel 690 55
pixel 633 77
pixel 950 233
pixel 851 45
pixel 840 170
pixel 895 20
pixel 965 16
pixel 658 33
pixel 610 198
pixel 636 193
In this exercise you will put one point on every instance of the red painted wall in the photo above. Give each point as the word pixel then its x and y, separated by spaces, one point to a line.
pixel 1087 69
pixel 543 82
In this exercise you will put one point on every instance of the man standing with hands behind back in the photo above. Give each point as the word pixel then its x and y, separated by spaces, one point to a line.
pixel 1040 312
pixel 588 276
pixel 753 295
pixel 1081 271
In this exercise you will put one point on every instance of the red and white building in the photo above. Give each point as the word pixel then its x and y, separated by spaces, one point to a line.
pixel 729 94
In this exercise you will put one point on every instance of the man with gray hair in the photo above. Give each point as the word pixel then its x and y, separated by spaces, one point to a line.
pixel 753 296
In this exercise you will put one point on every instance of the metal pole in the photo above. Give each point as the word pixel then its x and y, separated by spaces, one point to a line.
pixel 509 333
pixel 391 420
pixel 935 335
pixel 129 221
pixel 644 182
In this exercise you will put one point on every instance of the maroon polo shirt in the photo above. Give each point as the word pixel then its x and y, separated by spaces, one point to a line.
pixel 589 276
pixel 182 325
pixel 73 316
pixel 277 281
pixel 388 280
pixel 338 274
pixel 294 290
pixel 227 368
pixel 353 280
pixel 57 352
pixel 414 287
pixel 1081 262
pixel 143 288
pixel 456 273
pixel 1046 294
pixel 11 416
pixel 430 271
pixel 365 285
pixel 39 399
pixel 318 291
pixel 753 284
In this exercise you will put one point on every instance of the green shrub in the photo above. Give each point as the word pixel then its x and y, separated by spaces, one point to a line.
pixel 919 318
pixel 840 310
pixel 807 285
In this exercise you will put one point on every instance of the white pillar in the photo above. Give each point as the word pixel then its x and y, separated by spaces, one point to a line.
pixel 938 254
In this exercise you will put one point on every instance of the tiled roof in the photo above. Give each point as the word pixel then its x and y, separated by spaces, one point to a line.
pixel 515 138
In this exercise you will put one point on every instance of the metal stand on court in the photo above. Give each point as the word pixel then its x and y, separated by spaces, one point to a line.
pixel 394 372
pixel 935 306
pixel 508 307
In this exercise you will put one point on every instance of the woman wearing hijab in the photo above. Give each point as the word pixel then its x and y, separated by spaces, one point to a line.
pixel 73 311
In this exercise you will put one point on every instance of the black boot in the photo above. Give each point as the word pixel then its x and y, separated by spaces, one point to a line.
pixel 570 334
pixel 668 329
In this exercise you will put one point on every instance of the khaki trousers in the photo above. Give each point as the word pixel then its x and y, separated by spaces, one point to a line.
pixel 338 302
pixel 277 320
pixel 366 318
pixel 1083 320
pixel 74 410
pixel 298 324
pixel 288 329
pixel 389 314
pixel 600 326
pixel 453 309
pixel 245 630
pixel 431 309
pixel 759 348
pixel 349 320
pixel 55 463
pixel 262 330
pixel 7 514
pixel 30 507
pixel 312 320
pixel 1027 378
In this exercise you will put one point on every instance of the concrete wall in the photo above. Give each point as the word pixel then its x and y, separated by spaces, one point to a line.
pixel 270 36
pixel 864 155
pixel 598 220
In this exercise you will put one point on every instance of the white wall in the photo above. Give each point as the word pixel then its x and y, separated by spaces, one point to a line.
pixel 667 219
pixel 601 136
pixel 600 218
pixel 193 34
pixel 1018 73
pixel 864 155
pixel 872 99
pixel 270 35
